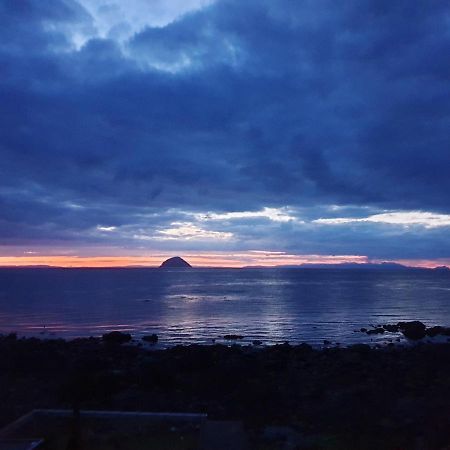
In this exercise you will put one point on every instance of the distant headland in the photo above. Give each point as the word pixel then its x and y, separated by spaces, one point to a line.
pixel 175 263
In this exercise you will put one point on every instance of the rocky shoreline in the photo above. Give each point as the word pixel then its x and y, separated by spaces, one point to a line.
pixel 414 330
pixel 357 397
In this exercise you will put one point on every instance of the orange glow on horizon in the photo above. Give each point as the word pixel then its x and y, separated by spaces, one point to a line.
pixel 239 259
pixel 217 259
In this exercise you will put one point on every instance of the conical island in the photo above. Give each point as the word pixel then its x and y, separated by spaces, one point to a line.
pixel 175 263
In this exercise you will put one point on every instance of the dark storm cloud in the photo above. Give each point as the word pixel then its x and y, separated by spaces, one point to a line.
pixel 235 107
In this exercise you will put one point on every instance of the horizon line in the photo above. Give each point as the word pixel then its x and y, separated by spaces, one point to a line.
pixel 277 266
pixel 252 258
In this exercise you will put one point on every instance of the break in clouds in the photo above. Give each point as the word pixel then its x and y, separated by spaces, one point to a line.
pixel 309 127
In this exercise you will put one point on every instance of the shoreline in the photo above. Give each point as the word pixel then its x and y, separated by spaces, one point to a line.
pixel 405 333
pixel 355 397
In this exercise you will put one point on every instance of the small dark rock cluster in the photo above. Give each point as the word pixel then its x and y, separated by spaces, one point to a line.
pixel 116 337
pixel 376 330
pixel 414 330
pixel 233 337
pixel 151 338
pixel 438 330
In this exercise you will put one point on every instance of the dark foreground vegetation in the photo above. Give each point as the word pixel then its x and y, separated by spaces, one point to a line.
pixel 334 398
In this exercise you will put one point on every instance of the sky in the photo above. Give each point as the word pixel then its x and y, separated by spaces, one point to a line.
pixel 229 132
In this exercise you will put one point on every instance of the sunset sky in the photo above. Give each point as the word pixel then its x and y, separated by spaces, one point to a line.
pixel 229 132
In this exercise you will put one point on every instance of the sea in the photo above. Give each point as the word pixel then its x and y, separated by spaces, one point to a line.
pixel 201 306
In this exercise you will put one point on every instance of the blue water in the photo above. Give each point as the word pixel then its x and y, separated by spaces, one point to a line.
pixel 198 305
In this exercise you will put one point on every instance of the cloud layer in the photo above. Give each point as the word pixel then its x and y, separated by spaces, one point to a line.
pixel 309 127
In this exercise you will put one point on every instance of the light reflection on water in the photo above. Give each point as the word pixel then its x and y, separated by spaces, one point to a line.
pixel 200 305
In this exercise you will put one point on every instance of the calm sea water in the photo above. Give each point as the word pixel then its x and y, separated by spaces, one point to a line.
pixel 297 305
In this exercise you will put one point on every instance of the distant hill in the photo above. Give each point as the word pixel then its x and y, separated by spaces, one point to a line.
pixel 442 269
pixel 30 266
pixel 175 263
pixel 383 266
pixel 346 266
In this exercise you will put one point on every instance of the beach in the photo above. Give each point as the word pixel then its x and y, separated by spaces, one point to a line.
pixel 356 397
